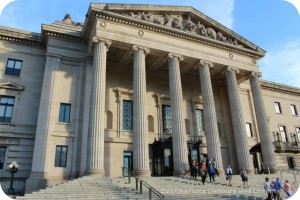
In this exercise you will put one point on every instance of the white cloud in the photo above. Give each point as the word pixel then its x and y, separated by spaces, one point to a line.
pixel 282 63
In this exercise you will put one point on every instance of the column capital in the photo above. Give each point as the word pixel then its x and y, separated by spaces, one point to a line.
pixel 231 69
pixel 107 42
pixel 254 74
pixel 205 62
pixel 136 48
pixel 173 55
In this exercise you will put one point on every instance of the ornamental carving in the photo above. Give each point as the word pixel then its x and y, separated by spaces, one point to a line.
pixel 184 23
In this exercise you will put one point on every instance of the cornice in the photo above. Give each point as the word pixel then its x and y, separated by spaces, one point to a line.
pixel 279 87
pixel 171 32
pixel 22 37
pixel 48 33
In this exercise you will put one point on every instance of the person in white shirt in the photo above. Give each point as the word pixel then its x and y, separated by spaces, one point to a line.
pixel 229 175
pixel 267 188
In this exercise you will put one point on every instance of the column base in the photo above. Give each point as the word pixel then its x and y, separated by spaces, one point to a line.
pixel 35 182
pixel 179 172
pixel 95 172
pixel 250 171
pixel 141 173
pixel 221 171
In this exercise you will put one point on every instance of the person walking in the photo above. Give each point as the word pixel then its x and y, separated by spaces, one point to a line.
pixel 267 188
pixel 211 173
pixel 213 163
pixel 288 189
pixel 277 187
pixel 194 170
pixel 229 175
pixel 203 174
pixel 244 176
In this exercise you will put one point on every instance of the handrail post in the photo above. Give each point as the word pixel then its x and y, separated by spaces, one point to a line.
pixel 150 193
pixel 280 174
pixel 141 187
pixel 295 177
pixel 129 177
pixel 122 172
pixel 136 184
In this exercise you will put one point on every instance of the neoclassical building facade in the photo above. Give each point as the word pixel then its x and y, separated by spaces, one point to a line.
pixel 147 87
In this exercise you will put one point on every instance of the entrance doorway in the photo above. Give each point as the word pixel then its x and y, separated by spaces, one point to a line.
pixel 291 162
pixel 127 162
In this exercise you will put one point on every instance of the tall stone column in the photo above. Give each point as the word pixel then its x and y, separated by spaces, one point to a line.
pixel 239 125
pixel 37 178
pixel 263 126
pixel 140 128
pixel 180 154
pixel 95 157
pixel 210 118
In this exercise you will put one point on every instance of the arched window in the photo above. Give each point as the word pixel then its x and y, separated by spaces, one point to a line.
pixel 109 120
pixel 150 124
pixel 187 126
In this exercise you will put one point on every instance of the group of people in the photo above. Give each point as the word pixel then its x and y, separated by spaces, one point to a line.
pixel 273 188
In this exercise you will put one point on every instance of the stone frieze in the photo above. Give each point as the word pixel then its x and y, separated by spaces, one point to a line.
pixel 184 23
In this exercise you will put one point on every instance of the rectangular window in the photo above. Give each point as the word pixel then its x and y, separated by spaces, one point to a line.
pixel 298 132
pixel 167 122
pixel 294 110
pixel 127 115
pixel 61 156
pixel 277 107
pixel 64 113
pixel 2 156
pixel 13 67
pixel 199 116
pixel 6 108
pixel 283 134
pixel 249 130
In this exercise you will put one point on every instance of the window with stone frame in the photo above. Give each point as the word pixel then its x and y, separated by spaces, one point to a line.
pixel 277 107
pixel 61 154
pixel 294 110
pixel 6 108
pixel 167 119
pixel 13 67
pixel 2 156
pixel 298 132
pixel 283 133
pixel 127 115
pixel 64 112
pixel 199 118
pixel 249 130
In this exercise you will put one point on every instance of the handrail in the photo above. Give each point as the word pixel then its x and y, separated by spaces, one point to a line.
pixel 289 171
pixel 129 174
pixel 151 189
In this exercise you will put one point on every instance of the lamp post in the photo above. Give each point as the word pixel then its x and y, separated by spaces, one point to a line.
pixel 12 168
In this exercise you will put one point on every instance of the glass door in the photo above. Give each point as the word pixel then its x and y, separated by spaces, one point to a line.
pixel 127 162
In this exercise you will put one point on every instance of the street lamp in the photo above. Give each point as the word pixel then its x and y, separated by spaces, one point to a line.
pixel 12 168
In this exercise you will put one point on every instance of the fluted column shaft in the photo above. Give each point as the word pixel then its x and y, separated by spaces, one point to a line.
pixel 239 125
pixel 95 160
pixel 210 118
pixel 263 126
pixel 140 128
pixel 180 154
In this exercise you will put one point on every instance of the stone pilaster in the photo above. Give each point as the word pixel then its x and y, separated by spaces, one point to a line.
pixel 180 154
pixel 262 123
pixel 140 128
pixel 239 125
pixel 210 118
pixel 37 177
pixel 95 157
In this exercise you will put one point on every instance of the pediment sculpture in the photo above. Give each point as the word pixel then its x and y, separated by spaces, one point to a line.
pixel 184 23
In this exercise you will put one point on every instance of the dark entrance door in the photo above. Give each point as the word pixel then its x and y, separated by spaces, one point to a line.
pixel 162 157
pixel 127 161
pixel 291 162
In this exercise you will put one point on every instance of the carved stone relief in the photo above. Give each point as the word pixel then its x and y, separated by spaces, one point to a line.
pixel 184 23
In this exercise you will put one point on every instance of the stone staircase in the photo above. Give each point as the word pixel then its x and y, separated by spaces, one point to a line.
pixel 92 188
pixel 171 187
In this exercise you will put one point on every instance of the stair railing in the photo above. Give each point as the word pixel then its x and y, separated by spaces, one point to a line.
pixel 139 181
pixel 124 169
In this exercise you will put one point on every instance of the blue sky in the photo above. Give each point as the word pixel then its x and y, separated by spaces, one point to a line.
pixel 273 25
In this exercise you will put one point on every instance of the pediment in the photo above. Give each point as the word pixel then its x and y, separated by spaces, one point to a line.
pixel 181 19
pixel 11 86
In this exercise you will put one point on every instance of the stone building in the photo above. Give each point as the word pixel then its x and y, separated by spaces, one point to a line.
pixel 142 86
